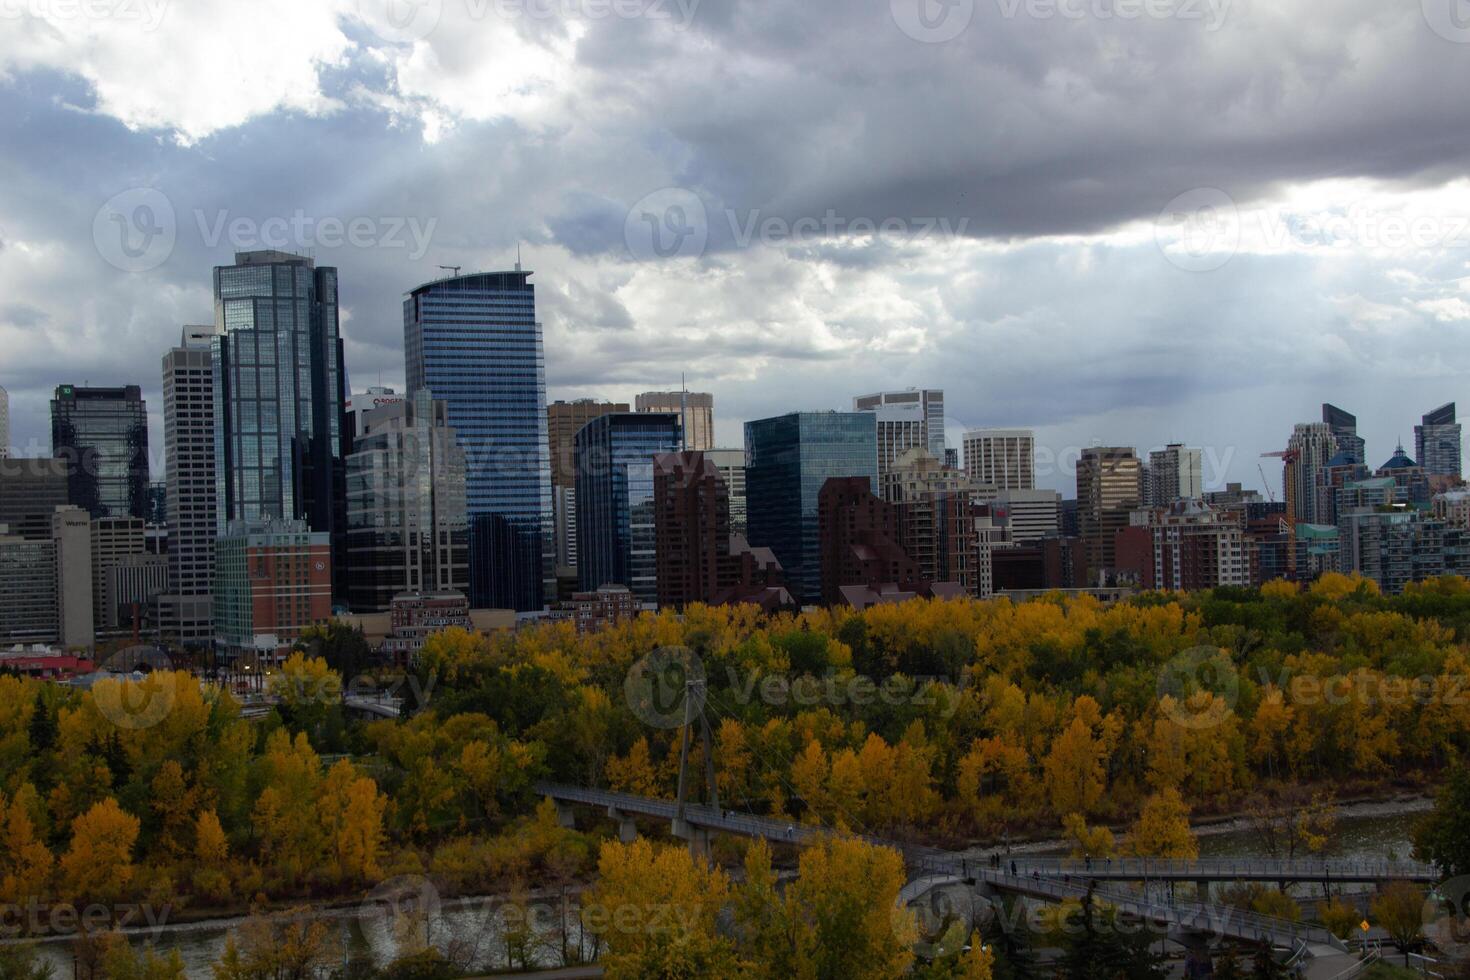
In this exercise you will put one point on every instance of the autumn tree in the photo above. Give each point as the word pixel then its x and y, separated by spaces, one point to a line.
pixel 1443 836
pixel 1399 909
pixel 1087 842
pixel 1163 828
pixel 99 863
pixel 290 946
pixel 25 861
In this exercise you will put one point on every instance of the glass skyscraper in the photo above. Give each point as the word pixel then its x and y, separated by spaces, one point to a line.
pixel 788 458
pixel 473 341
pixel 280 396
pixel 615 518
pixel 1437 441
pixel 1344 426
pixel 102 434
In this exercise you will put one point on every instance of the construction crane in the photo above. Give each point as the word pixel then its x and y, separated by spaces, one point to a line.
pixel 1287 457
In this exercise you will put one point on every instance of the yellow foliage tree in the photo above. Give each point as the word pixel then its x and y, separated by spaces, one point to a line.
pixel 1163 828
pixel 25 861
pixel 99 863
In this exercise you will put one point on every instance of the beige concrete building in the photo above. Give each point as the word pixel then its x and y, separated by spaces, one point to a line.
pixel 696 411
pixel 1109 488
pixel 1001 458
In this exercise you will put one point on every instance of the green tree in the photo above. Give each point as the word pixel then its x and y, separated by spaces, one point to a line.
pixel 1443 836
pixel 1098 950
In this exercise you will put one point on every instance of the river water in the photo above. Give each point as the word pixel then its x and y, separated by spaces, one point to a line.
pixel 472 929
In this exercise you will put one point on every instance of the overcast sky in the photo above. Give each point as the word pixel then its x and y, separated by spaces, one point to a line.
pixel 1124 222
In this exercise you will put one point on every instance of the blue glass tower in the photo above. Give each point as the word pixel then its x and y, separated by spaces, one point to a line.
pixel 615 520
pixel 788 458
pixel 474 341
pixel 280 397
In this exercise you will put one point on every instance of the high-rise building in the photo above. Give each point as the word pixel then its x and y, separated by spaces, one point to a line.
pixel 4 423
pixel 1028 515
pixel 696 411
pixel 563 421
pixel 731 464
pixel 901 428
pixel 280 391
pixel 1187 545
pixel 1410 479
pixel 186 610
pixel 859 537
pixel 1108 489
pixel 407 526
pixel 929 403
pixel 1174 473
pixel 474 341
pixel 788 460
pixel 27 590
pixel 699 559
pixel 115 540
pixel 102 434
pixel 616 529
pixel 1312 446
pixel 71 537
pixel 1437 442
pixel 362 402
pixel 1395 546
pixel 1001 458
pixel 30 491
pixel 936 520
pixel 272 580
pixel 1344 426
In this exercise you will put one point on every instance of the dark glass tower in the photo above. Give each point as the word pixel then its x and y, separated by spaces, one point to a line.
pixel 102 434
pixel 788 459
pixel 474 342
pixel 616 542
pixel 1344 426
pixel 1437 442
pixel 280 396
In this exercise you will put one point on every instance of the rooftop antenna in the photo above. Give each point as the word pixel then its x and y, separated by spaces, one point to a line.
pixel 518 256
pixel 452 268
pixel 684 411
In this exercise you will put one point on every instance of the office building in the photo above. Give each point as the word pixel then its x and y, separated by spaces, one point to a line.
pixel 1042 566
pixel 1344 428
pixel 901 428
pixel 186 610
pixel 788 460
pixel 102 435
pixel 1311 447
pixel 858 533
pixel 1001 458
pixel 563 421
pixel 114 540
pixel 695 409
pixel 1437 442
pixel 28 603
pixel 1186 546
pixel 731 464
pixel 936 519
pixel 699 558
pixel 407 523
pixel 474 341
pixel 4 423
pixel 930 405
pixel 1108 489
pixel 280 391
pixel 71 536
pixel 1028 515
pixel 272 580
pixel 362 402
pixel 1174 473
pixel 615 500
pixel 30 491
